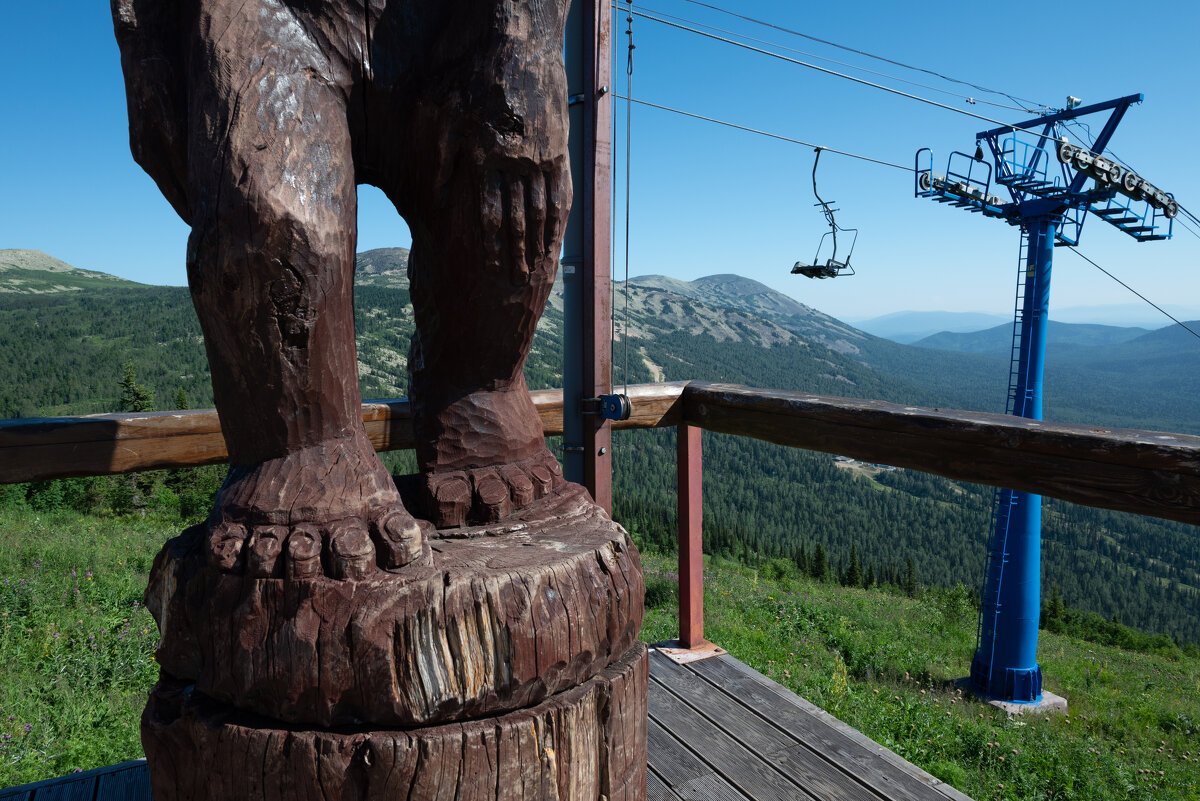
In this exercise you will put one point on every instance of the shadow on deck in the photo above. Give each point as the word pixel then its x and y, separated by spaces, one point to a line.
pixel 718 731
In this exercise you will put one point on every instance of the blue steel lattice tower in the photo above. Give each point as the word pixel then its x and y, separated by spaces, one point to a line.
pixel 1046 179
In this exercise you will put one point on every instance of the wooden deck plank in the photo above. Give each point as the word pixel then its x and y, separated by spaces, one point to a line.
pixel 125 781
pixel 738 765
pixel 682 771
pixel 132 784
pixel 887 772
pixel 775 746
pixel 672 760
pixel 67 791
pixel 709 788
pixel 657 789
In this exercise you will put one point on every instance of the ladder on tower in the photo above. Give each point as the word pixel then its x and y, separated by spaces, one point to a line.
pixel 1014 404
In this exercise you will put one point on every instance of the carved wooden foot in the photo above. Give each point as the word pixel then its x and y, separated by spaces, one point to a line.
pixel 490 494
pixel 587 743
pixel 327 510
pixel 503 617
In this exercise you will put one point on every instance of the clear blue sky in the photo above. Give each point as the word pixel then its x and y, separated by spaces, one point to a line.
pixel 707 199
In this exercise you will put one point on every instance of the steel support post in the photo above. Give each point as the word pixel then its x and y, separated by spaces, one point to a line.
pixel 587 337
pixel 1005 664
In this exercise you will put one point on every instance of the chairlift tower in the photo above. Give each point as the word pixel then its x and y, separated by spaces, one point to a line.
pixel 1050 186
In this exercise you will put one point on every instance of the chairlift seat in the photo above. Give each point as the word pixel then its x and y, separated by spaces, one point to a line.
pixel 828 269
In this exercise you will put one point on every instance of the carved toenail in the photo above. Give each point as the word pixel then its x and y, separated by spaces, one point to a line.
pixel 519 485
pixel 352 554
pixel 452 501
pixel 304 552
pixel 492 498
pixel 225 546
pixel 399 539
pixel 264 547
pixel 543 480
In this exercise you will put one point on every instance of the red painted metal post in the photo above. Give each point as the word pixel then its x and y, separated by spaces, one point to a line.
pixel 691 557
pixel 596 197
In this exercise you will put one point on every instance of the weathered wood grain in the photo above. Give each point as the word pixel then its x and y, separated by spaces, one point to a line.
pixel 504 617
pixel 36 449
pixel 573 745
pixel 1143 472
pixel 888 774
pixel 773 746
pixel 733 761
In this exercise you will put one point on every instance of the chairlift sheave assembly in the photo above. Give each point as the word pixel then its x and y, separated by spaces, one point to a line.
pixel 830 267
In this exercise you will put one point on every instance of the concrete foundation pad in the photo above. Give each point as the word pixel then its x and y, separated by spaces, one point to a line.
pixel 1048 703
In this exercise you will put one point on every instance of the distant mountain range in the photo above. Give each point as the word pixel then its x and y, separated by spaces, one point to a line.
pixel 745 321
pixel 909 326
pixel 65 334
pixel 998 339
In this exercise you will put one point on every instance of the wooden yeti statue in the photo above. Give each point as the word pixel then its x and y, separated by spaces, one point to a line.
pixel 314 641
pixel 257 119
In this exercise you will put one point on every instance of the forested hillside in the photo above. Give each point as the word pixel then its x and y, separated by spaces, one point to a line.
pixel 64 354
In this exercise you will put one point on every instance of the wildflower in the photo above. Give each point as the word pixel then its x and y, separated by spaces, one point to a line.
pixel 28 727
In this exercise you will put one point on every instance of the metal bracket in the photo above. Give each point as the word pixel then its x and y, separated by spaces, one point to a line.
pixel 610 407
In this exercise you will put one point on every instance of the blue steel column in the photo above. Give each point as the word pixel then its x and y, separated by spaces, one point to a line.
pixel 1005 664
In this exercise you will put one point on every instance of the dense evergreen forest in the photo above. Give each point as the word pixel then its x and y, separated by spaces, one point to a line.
pixel 64 354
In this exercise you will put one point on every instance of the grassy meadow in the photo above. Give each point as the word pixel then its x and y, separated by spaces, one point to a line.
pixel 76 643
pixel 886 664
pixel 78 654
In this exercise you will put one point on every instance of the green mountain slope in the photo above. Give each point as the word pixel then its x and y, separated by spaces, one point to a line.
pixel 32 272
pixel 63 352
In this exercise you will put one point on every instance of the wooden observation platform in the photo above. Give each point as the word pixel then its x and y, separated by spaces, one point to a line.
pixel 718 731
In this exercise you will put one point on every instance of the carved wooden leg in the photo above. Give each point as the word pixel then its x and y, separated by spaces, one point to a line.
pixel 271 268
pixel 486 190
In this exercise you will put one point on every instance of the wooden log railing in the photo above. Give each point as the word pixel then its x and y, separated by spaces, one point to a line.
pixel 1143 472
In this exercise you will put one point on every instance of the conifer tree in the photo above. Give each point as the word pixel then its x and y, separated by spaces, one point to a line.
pixel 1056 605
pixel 911 587
pixel 134 396
pixel 869 581
pixel 181 400
pixel 801 559
pixel 817 566
pixel 853 575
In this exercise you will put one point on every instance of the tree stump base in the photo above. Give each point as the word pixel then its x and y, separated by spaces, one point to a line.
pixel 504 665
pixel 500 618
pixel 586 744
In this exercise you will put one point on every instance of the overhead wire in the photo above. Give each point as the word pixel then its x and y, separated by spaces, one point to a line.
pixel 1178 322
pixel 827 71
pixel 781 137
pixel 967 98
pixel 1036 105
pixel 863 81
pixel 630 99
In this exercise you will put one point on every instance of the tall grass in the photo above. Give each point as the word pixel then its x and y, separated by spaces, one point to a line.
pixel 76 644
pixel 887 664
